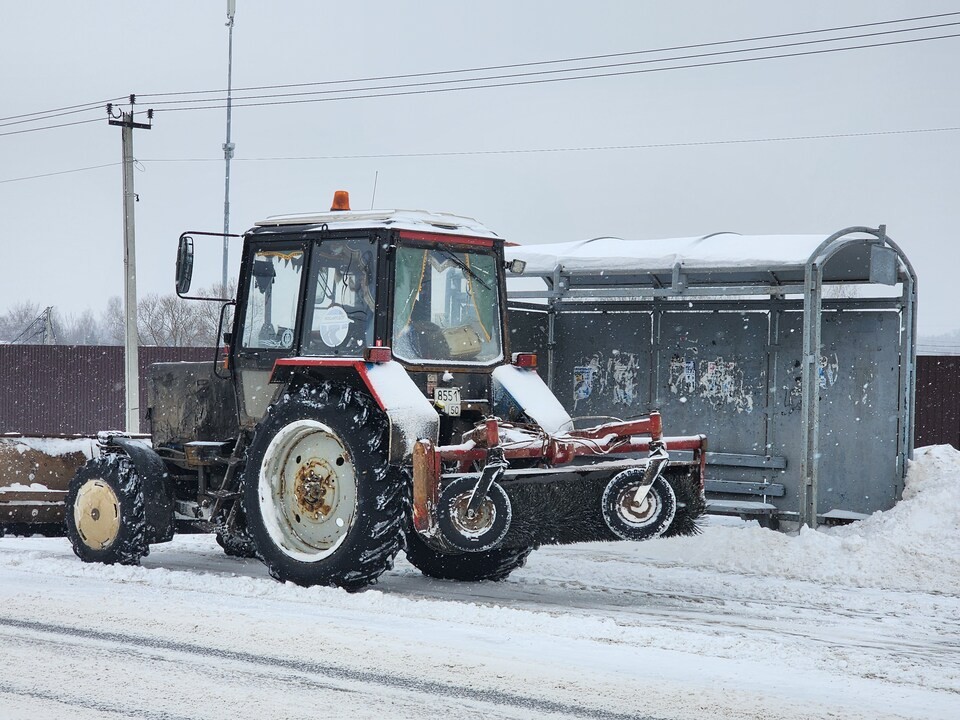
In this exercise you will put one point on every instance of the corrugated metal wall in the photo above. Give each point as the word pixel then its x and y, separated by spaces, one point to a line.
pixel 54 389
pixel 73 389
pixel 938 400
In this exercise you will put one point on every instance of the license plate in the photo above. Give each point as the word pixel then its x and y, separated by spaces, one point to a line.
pixel 448 399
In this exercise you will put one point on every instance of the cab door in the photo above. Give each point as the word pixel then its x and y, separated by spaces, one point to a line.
pixel 269 322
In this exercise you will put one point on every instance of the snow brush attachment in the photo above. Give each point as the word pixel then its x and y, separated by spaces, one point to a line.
pixel 565 507
pixel 691 504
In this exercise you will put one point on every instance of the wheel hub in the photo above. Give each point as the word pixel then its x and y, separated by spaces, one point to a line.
pixel 473 523
pixel 96 514
pixel 633 510
pixel 315 487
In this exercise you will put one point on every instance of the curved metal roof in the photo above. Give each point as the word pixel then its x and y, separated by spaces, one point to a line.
pixel 724 258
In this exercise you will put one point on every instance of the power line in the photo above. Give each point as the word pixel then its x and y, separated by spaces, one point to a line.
pixel 47 117
pixel 60 172
pixel 514 151
pixel 541 73
pixel 540 81
pixel 522 151
pixel 431 87
pixel 78 108
pixel 50 127
pixel 532 78
pixel 564 60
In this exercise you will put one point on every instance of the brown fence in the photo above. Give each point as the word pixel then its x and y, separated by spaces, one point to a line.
pixel 54 389
pixel 938 401
pixel 73 389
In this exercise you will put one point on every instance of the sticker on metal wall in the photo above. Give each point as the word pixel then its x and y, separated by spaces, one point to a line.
pixel 828 372
pixel 624 375
pixel 615 377
pixel 683 375
pixel 582 382
pixel 721 383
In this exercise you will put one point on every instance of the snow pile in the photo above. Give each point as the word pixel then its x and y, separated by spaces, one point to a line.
pixel 20 487
pixel 913 546
pixel 53 446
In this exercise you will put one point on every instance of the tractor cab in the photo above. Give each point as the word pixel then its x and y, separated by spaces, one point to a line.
pixel 426 288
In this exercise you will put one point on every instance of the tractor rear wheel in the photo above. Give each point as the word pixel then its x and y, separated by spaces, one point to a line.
pixel 490 565
pixel 105 518
pixel 234 538
pixel 322 503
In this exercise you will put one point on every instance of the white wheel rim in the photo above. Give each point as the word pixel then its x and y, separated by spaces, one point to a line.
pixel 307 490
pixel 96 514
pixel 637 514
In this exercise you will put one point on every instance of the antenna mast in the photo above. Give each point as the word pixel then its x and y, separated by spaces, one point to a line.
pixel 228 146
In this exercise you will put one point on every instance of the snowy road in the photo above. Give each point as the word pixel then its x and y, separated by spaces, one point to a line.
pixel 862 621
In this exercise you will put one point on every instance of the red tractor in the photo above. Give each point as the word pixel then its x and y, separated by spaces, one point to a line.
pixel 367 402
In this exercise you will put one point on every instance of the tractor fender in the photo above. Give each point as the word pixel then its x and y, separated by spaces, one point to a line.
pixel 158 502
pixel 523 388
pixel 411 415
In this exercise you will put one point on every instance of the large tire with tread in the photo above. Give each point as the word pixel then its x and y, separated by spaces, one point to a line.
pixel 467 567
pixel 322 504
pixel 105 517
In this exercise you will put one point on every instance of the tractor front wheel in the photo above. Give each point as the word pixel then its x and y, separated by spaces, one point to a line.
pixel 105 517
pixel 322 504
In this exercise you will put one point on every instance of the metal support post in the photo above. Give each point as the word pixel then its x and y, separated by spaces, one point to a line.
pixel 810 397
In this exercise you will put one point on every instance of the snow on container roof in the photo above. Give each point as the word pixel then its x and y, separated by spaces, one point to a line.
pixel 413 220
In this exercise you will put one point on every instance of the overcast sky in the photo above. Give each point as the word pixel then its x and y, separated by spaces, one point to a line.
pixel 62 235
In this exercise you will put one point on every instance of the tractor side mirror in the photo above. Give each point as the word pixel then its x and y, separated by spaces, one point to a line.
pixel 184 264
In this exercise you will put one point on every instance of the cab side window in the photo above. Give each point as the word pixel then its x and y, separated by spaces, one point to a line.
pixel 270 314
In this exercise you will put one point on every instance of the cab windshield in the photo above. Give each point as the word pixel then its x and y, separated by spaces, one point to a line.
pixel 446 306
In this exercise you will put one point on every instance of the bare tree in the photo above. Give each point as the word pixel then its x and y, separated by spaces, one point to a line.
pixel 113 322
pixel 164 320
pixel 208 313
pixel 83 329
pixel 17 319
pixel 181 321
pixel 151 323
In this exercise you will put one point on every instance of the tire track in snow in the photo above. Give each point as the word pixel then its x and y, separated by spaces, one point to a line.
pixel 74 702
pixel 842 632
pixel 327 670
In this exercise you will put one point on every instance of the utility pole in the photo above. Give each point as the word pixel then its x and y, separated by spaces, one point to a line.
pixel 228 146
pixel 49 334
pixel 131 374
